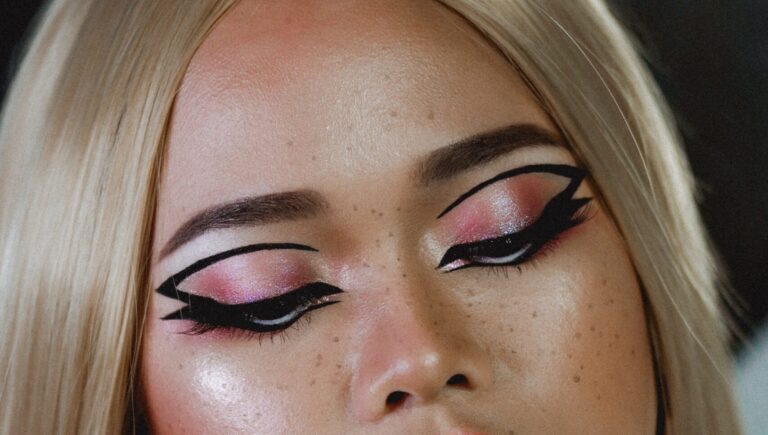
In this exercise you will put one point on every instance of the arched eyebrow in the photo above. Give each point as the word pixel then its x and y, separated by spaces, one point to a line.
pixel 449 161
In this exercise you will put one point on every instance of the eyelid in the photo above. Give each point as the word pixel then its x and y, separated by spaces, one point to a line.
pixel 530 239
pixel 560 213
pixel 168 287
pixel 255 316
pixel 576 175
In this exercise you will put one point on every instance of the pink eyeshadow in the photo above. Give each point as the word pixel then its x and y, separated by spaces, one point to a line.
pixel 505 207
pixel 248 278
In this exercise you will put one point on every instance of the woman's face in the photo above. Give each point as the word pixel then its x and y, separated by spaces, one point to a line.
pixel 395 241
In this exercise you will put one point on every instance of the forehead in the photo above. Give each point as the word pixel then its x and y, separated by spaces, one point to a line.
pixel 294 94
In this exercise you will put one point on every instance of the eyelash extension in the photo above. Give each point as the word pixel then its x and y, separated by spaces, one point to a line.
pixel 560 214
pixel 266 316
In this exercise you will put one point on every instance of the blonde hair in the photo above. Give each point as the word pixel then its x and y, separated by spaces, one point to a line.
pixel 81 142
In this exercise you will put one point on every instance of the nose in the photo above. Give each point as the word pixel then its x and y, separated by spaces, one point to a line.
pixel 412 356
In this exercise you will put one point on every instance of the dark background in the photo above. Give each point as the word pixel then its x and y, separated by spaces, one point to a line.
pixel 711 59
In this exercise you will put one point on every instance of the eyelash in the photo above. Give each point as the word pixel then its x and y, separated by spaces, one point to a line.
pixel 498 270
pixel 260 319
pixel 532 243
pixel 230 332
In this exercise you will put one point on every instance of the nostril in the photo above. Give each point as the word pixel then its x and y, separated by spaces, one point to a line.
pixel 396 399
pixel 458 380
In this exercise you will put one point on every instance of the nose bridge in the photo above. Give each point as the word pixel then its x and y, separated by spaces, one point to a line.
pixel 411 353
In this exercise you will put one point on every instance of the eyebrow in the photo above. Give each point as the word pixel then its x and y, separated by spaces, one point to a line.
pixel 255 210
pixel 449 161
pixel 439 165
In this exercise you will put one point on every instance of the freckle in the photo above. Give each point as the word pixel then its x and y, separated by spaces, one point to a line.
pixel 398 259
pixel 632 352
pixel 581 367
pixel 598 353
pixel 502 306
pixel 483 322
pixel 610 345
pixel 570 356
pixel 616 336
pixel 590 306
pixel 373 211
pixel 312 382
pixel 314 158
pixel 289 143
pixel 391 235
pixel 592 328
pixel 605 281
pixel 336 339
pixel 404 275
pixel 576 378
pixel 181 366
pixel 338 366
pixel 431 115
pixel 319 360
pixel 599 397
pixel 288 20
pixel 468 316
pixel 516 303
pixel 511 329
pixel 534 314
pixel 392 113
pixel 610 301
pixel 354 207
pixel 386 290
pixel 578 335
pixel 469 304
pixel 381 214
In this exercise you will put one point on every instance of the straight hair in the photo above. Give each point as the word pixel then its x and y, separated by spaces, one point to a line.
pixel 82 137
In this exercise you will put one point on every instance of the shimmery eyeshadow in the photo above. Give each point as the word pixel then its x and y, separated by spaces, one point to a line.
pixel 504 207
pixel 248 278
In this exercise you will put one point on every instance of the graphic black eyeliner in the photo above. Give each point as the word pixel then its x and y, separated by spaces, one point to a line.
pixel 574 173
pixel 561 213
pixel 267 315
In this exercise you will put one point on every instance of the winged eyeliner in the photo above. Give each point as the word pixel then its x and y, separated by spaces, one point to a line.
pixel 279 312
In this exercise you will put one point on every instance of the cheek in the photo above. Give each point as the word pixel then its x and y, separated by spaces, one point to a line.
pixel 575 339
pixel 191 386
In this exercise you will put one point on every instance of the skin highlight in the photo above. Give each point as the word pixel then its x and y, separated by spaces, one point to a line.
pixel 344 98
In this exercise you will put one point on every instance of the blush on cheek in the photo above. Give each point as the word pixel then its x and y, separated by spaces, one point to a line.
pixel 248 278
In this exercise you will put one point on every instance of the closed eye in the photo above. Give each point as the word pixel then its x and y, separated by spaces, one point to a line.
pixel 518 247
pixel 561 213
pixel 267 315
pixel 270 315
